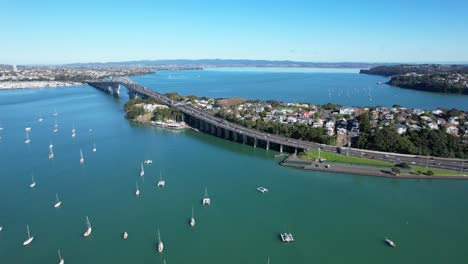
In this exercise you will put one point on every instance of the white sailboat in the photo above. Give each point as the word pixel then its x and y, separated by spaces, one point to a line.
pixel 137 192
pixel 51 153
pixel 192 220
pixel 30 238
pixel 81 157
pixel 161 183
pixel 57 202
pixel 73 132
pixel 40 119
pixel 94 148
pixel 206 199
pixel 55 127
pixel 89 229
pixel 61 261
pixel 55 112
pixel 27 141
pixel 33 182
pixel 142 172
pixel 51 145
pixel 160 243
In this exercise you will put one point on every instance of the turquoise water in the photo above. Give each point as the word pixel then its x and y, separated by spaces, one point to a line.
pixel 335 218
pixel 317 86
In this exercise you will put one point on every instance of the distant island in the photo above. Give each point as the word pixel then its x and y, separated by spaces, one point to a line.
pixel 425 77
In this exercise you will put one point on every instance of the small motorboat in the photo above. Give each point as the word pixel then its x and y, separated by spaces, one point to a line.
pixel 262 189
pixel 148 162
pixel 389 242
pixel 287 237
pixel 89 229
pixel 125 235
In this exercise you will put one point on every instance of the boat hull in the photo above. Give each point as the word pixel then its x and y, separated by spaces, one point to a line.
pixel 28 241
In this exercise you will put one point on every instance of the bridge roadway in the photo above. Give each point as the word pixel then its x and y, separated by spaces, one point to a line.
pixel 297 145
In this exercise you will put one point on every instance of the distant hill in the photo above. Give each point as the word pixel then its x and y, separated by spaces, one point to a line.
pixel 235 63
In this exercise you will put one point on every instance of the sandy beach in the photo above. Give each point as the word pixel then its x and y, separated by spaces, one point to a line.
pixel 34 84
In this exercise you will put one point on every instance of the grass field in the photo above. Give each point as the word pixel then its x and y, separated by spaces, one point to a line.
pixel 312 154
pixel 437 172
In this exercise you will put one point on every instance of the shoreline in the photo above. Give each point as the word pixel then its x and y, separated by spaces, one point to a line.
pixel 9 85
pixel 293 161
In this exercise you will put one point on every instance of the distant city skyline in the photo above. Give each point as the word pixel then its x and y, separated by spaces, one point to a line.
pixel 59 32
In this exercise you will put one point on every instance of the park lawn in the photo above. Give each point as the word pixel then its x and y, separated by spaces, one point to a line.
pixel 437 172
pixel 312 154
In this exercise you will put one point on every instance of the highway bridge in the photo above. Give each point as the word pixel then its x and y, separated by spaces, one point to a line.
pixel 210 124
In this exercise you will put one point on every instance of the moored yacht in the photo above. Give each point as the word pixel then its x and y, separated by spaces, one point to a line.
pixel 287 237
pixel 161 183
pixel 30 238
pixel 137 192
pixel 55 112
pixel 206 199
pixel 142 172
pixel 148 162
pixel 89 229
pixel 262 189
pixel 160 243
pixel 40 119
pixel 192 219
pixel 57 202
pixel 125 235
pixel 33 183
pixel 61 261
pixel 27 129
pixel 81 157
pixel 27 141
pixel 51 153
pixel 94 148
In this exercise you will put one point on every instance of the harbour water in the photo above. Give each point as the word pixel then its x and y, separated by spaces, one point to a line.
pixel 335 218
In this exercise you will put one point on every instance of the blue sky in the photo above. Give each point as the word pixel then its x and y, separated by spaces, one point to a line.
pixel 65 31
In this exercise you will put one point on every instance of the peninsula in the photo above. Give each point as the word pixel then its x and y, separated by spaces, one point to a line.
pixel 425 77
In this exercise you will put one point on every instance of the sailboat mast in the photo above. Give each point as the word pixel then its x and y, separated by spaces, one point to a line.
pixel 60 256
pixel 27 227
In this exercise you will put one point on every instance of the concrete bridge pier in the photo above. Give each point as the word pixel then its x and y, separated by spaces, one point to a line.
pixel 281 148
pixel 116 90
pixel 234 136
pixel 244 139
pixel 213 129
pixel 267 145
pixel 255 142
pixel 131 95
pixel 226 133
pixel 219 131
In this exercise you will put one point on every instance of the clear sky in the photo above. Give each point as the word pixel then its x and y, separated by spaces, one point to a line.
pixel 65 31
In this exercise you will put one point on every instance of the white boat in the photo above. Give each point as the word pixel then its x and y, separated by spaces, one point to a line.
pixel 142 172
pixel 33 182
pixel 148 162
pixel 287 237
pixel 1 227
pixel 27 129
pixel 206 199
pixel 125 235
pixel 51 153
pixel 27 141
pixel 137 192
pixel 389 242
pixel 73 130
pixel 81 157
pixel 51 145
pixel 55 112
pixel 61 261
pixel 94 148
pixel 262 189
pixel 192 220
pixel 160 243
pixel 161 183
pixel 40 119
pixel 57 202
pixel 30 238
pixel 56 125
pixel 73 134
pixel 89 229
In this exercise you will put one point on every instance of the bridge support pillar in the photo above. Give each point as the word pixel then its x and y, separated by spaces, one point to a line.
pixel 116 90
pixel 219 131
pixel 267 145
pixel 226 133
pixel 255 142
pixel 132 95
pixel 234 136
pixel 213 129
pixel 281 148
pixel 295 150
pixel 244 139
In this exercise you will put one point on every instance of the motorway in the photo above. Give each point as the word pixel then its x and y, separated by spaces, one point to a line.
pixel 422 161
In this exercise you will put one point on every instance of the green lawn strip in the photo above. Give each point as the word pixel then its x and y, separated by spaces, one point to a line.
pixel 437 172
pixel 312 154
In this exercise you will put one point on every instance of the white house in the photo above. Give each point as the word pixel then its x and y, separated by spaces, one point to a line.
pixel 401 129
